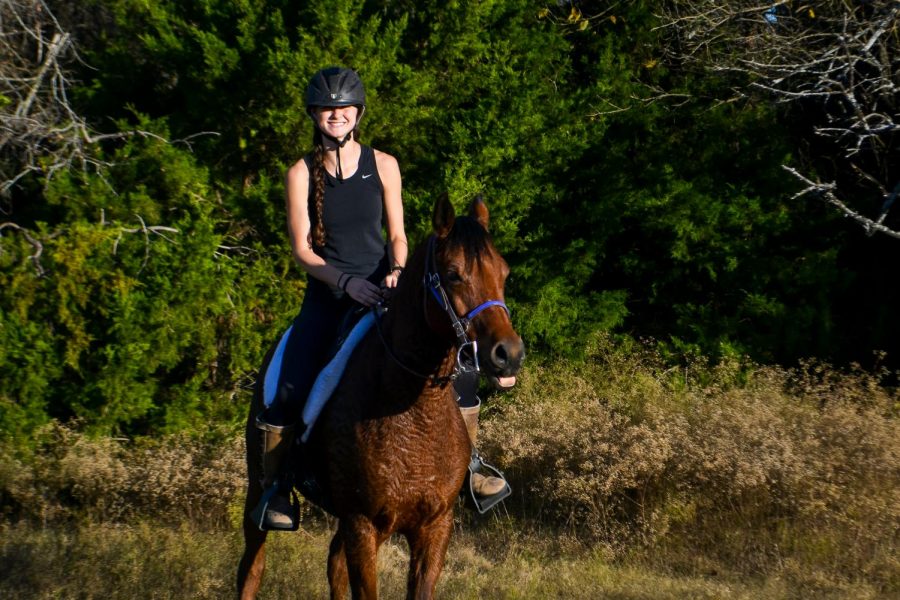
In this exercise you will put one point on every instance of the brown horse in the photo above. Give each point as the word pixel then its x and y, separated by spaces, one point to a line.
pixel 390 449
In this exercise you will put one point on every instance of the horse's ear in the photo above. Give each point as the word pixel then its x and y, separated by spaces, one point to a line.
pixel 479 211
pixel 444 215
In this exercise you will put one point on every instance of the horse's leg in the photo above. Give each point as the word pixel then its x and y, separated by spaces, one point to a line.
pixel 253 562
pixel 338 579
pixel 360 544
pixel 427 549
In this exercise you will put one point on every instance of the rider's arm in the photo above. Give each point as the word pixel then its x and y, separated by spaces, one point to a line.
pixel 299 227
pixel 389 172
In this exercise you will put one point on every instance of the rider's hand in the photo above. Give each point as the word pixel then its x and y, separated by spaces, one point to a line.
pixel 390 281
pixel 363 291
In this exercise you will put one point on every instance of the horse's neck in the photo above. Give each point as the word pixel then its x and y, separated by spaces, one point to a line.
pixel 408 335
pixel 415 345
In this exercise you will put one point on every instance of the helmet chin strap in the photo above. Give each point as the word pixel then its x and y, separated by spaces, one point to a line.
pixel 340 144
pixel 339 171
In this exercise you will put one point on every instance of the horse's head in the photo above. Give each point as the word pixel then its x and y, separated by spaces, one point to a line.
pixel 468 274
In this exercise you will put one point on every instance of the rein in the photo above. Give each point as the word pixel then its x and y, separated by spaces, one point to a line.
pixel 467 350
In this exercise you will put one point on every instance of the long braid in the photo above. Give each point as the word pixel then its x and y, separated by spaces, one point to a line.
pixel 319 188
pixel 318 178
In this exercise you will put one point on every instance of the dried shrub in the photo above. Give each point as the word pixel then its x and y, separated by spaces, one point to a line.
pixel 74 476
pixel 577 462
pixel 754 466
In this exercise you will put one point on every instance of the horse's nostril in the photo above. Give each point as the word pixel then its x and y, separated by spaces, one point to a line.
pixel 499 355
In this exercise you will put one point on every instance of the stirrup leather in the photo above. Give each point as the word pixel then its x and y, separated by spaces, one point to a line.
pixel 485 503
pixel 258 516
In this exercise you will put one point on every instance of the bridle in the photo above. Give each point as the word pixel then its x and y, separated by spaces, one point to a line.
pixel 467 350
pixel 465 346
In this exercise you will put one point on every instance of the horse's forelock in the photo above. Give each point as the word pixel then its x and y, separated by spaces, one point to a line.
pixel 468 234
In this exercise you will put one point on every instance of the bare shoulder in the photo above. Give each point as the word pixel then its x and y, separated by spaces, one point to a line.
pixel 298 173
pixel 386 162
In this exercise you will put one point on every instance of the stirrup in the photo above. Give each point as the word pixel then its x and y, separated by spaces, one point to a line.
pixel 485 503
pixel 258 516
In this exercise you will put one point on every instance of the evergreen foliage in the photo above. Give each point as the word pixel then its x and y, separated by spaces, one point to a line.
pixel 164 277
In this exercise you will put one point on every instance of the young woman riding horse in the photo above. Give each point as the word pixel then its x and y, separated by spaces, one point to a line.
pixel 391 449
pixel 338 196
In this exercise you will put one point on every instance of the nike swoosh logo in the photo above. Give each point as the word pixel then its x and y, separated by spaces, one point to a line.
pixel 367 176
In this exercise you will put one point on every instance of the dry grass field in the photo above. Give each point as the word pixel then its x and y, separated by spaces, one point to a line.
pixel 153 561
pixel 632 480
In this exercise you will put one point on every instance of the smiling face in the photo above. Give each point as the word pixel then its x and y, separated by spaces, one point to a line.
pixel 336 121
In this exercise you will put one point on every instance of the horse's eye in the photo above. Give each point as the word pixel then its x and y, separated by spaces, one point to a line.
pixel 453 277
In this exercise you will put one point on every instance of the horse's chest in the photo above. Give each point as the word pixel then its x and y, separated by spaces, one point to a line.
pixel 414 454
pixel 415 444
pixel 400 463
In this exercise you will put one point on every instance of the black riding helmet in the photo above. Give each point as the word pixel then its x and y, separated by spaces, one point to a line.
pixel 336 86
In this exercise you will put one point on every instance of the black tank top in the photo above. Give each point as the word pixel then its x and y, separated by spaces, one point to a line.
pixel 353 216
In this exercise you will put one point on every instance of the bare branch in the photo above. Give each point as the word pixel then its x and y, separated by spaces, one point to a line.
pixel 826 191
pixel 38 246
pixel 223 251
pixel 159 230
pixel 146 231
pixel 843 58
pixel 40 131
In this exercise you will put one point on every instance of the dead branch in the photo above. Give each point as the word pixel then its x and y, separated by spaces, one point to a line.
pixel 144 229
pixel 826 192
pixel 40 131
pixel 35 257
pixel 842 57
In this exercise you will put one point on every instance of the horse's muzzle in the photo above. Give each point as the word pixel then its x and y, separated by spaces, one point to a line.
pixel 504 362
